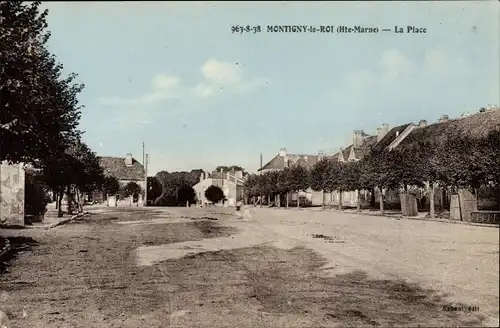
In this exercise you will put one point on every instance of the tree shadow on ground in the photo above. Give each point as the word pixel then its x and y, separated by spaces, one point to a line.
pixel 291 283
pixel 17 244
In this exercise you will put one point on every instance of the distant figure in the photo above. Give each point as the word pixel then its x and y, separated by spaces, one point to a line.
pixel 238 205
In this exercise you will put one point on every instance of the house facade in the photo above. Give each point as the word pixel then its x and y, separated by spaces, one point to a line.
pixel 124 169
pixel 231 183
pixel 12 188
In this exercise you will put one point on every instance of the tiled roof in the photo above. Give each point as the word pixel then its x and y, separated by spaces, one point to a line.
pixel 389 137
pixel 346 151
pixel 115 166
pixel 368 143
pixel 278 162
pixel 476 125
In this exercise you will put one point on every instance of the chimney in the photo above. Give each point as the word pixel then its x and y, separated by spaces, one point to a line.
pixel 492 108
pixel 282 152
pixel 286 160
pixel 382 132
pixel 357 138
pixel 397 134
pixel 306 158
pixel 422 123
pixel 128 160
pixel 444 118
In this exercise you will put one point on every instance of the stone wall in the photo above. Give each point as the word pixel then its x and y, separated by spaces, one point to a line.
pixel 12 194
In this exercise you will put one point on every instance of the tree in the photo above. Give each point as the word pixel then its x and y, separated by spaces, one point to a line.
pixel 298 180
pixel 185 195
pixel 319 177
pixel 223 168
pixel 35 194
pixel 39 110
pixel 132 189
pixel 214 194
pixel 111 185
pixel 154 188
pixel 350 179
pixel 251 186
pixel 72 172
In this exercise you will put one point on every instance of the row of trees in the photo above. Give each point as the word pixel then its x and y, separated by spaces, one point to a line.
pixel 457 162
pixel 176 188
pixel 40 111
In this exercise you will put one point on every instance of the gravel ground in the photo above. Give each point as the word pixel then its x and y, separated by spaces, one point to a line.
pixel 86 274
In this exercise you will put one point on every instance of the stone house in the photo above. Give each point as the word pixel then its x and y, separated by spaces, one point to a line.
pixel 125 169
pixel 12 187
pixel 231 183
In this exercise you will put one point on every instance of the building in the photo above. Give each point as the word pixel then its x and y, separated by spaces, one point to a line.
pixel 284 159
pixel 475 126
pixel 231 183
pixel 125 169
pixel 12 188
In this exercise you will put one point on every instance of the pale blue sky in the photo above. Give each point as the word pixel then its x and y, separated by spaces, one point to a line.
pixel 173 74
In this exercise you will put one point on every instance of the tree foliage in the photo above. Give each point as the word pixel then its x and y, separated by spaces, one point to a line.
pixel 320 177
pixel 223 168
pixel 72 172
pixel 111 185
pixel 39 107
pixel 35 193
pixel 214 194
pixel 132 189
pixel 176 187
pixel 154 188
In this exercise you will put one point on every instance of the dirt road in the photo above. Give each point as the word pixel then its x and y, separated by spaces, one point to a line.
pixel 181 267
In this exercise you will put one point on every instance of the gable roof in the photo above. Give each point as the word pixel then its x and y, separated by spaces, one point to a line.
pixel 476 126
pixel 390 136
pixel 278 162
pixel 115 166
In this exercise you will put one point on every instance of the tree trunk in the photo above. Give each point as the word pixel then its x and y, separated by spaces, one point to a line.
pixel 323 199
pixel 268 200
pixel 77 202
pixel 260 203
pixel 382 211
pixel 287 194
pixel 298 200
pixel 340 200
pixel 372 198
pixel 70 200
pixel 498 195
pixel 57 200
pixel 358 205
pixel 431 201
pixel 59 203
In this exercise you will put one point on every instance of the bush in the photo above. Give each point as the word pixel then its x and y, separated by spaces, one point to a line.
pixel 36 197
pixel 214 194
pixel 111 185
pixel 132 189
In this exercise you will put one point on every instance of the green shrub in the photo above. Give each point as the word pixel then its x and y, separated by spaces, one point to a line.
pixel 214 194
pixel 35 195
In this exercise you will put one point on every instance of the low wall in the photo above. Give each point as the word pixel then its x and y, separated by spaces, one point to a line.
pixel 490 217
